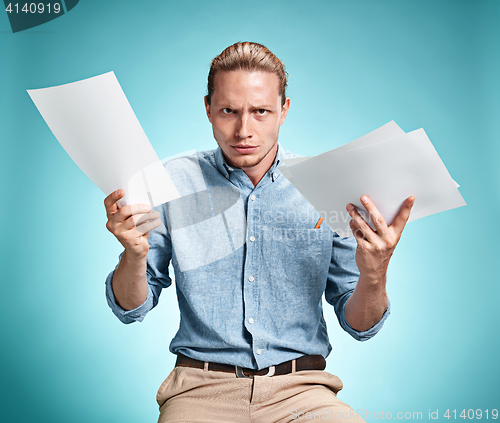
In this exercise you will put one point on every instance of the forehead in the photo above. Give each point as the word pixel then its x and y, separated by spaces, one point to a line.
pixel 243 85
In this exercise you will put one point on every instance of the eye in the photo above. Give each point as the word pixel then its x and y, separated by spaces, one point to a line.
pixel 227 110
pixel 261 112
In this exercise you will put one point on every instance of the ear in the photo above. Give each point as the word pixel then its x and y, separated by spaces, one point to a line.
pixel 207 108
pixel 284 110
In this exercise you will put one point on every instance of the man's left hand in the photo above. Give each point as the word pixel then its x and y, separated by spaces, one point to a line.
pixel 375 248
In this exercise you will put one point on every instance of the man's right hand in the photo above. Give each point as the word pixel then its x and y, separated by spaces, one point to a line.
pixel 122 224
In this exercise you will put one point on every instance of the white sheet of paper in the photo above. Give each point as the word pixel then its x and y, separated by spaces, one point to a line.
pixel 385 132
pixel 387 170
pixel 94 122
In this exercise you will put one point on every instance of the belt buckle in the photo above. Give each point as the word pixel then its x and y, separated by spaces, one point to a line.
pixel 239 372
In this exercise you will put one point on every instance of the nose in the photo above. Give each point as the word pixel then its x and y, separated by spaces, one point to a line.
pixel 243 130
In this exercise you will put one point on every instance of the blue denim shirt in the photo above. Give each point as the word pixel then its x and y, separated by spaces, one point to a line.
pixel 250 269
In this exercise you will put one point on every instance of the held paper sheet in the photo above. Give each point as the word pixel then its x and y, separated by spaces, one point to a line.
pixel 94 122
pixel 386 164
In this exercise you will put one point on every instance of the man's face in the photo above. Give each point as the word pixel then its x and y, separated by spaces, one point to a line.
pixel 246 115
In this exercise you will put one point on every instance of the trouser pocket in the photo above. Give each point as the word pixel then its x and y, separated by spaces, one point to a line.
pixel 163 393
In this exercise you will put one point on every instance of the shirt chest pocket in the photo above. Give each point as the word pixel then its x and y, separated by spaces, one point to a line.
pixel 299 253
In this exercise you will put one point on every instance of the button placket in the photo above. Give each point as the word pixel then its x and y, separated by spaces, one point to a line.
pixel 250 268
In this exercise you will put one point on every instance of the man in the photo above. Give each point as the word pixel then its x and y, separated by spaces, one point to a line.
pixel 251 264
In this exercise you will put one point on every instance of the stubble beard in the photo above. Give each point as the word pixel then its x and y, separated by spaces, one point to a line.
pixel 245 162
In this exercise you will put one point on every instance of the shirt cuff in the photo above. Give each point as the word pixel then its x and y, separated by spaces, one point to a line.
pixel 369 333
pixel 127 316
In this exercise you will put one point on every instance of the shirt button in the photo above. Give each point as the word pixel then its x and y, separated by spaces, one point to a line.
pixel 252 197
pixel 275 175
pixel 250 320
pixel 252 238
pixel 259 351
pixel 251 278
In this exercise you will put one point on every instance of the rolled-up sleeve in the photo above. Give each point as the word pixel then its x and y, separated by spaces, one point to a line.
pixel 158 260
pixel 343 276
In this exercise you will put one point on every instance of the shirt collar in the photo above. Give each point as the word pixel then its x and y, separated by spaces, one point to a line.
pixel 280 156
pixel 220 163
pixel 225 169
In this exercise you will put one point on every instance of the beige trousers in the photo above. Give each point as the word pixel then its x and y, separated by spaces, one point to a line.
pixel 197 395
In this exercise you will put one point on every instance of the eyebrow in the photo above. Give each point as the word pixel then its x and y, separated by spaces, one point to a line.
pixel 263 106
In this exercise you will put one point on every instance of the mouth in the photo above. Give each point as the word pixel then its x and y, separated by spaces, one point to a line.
pixel 244 149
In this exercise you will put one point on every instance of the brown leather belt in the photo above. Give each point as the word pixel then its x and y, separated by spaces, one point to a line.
pixel 306 362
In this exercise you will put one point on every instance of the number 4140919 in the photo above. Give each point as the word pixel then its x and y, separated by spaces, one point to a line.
pixel 471 414
pixel 34 8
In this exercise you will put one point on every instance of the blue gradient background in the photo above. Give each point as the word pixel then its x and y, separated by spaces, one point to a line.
pixel 353 65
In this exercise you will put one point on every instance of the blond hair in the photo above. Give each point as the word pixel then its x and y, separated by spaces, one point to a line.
pixel 248 56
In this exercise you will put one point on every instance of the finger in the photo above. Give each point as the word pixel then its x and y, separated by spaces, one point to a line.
pixel 133 221
pixel 375 216
pixel 400 221
pixel 139 219
pixel 128 230
pixel 358 234
pixel 361 223
pixel 110 202
pixel 148 226
pixel 131 210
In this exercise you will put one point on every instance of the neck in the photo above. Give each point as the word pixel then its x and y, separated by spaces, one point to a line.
pixel 257 172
